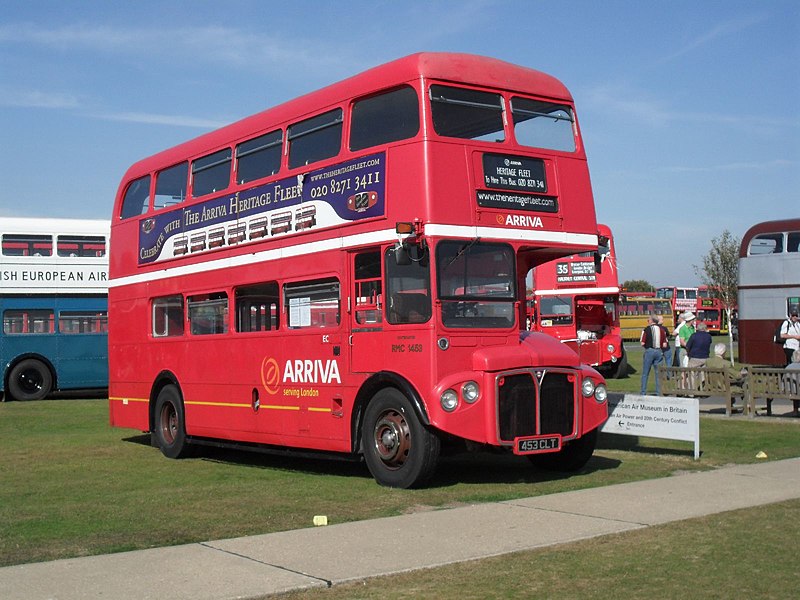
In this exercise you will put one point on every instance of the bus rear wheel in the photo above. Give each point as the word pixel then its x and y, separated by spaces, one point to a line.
pixel 30 379
pixel 399 450
pixel 169 425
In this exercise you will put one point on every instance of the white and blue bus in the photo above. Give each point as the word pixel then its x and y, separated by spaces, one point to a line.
pixel 53 300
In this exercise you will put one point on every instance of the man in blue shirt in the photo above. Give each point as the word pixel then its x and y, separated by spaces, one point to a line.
pixel 698 346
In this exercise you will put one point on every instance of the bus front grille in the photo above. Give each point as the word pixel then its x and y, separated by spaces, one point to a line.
pixel 535 403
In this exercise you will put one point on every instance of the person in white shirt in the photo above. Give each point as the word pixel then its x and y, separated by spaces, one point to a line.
pixel 790 331
pixel 676 356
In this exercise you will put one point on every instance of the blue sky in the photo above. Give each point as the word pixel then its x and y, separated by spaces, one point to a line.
pixel 690 110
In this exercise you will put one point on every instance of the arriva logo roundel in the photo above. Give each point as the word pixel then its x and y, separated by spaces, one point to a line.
pixel 270 375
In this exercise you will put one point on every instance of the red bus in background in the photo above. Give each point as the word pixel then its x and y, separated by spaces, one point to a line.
pixel 711 311
pixel 626 292
pixel 769 288
pixel 374 306
pixel 682 298
pixel 575 299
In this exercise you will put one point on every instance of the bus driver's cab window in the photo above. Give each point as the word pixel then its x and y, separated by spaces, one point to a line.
pixel 408 287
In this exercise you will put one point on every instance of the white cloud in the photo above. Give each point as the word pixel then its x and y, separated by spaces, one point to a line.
pixel 37 99
pixel 200 45
pixel 631 104
pixel 157 119
pixel 69 102
pixel 723 29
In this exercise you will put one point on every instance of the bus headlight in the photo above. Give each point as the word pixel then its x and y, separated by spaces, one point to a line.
pixel 610 348
pixel 449 400
pixel 587 387
pixel 470 391
pixel 600 393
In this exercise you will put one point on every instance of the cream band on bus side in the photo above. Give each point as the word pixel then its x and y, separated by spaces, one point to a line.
pixel 327 197
pixel 24 276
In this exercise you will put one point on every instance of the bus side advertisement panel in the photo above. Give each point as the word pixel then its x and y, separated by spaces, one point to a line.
pixel 335 195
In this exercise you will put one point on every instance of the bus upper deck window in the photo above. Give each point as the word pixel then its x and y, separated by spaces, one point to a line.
pixel 768 243
pixel 137 198
pixel 171 186
pixel 315 139
pixel 542 124
pixel 259 157
pixel 384 118
pixel 81 245
pixel 211 173
pixel 27 245
pixel 467 114
pixel 793 241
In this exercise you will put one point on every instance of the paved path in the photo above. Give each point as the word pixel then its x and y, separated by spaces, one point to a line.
pixel 317 557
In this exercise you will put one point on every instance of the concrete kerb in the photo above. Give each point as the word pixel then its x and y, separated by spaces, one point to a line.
pixel 318 557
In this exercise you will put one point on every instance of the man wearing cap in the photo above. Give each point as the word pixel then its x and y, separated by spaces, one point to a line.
pixel 685 333
pixel 790 331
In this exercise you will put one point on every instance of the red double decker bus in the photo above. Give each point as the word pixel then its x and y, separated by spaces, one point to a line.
pixel 576 300
pixel 682 298
pixel 711 311
pixel 374 305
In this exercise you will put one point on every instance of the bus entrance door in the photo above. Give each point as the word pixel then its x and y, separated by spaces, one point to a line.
pixel 366 312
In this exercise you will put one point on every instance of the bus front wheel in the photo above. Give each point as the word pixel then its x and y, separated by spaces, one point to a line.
pixel 621 369
pixel 399 450
pixel 30 379
pixel 169 426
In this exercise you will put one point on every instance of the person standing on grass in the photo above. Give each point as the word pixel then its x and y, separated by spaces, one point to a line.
pixel 698 346
pixel 790 332
pixel 685 333
pixel 668 350
pixel 676 355
pixel 654 339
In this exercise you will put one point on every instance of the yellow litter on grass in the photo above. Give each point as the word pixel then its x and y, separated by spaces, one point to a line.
pixel 761 454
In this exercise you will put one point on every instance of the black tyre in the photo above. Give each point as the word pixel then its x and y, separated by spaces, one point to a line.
pixel 621 367
pixel 169 425
pixel 30 379
pixel 573 456
pixel 399 450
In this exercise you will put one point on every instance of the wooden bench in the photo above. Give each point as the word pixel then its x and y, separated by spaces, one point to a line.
pixel 769 383
pixel 700 381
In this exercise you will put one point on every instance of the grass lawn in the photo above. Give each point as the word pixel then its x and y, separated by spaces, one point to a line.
pixel 730 555
pixel 73 486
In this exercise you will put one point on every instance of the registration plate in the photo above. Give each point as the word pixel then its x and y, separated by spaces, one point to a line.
pixel 538 444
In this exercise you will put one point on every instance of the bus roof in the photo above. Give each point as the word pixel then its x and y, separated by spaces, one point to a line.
pixel 55 226
pixel 445 66
pixel 767 227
